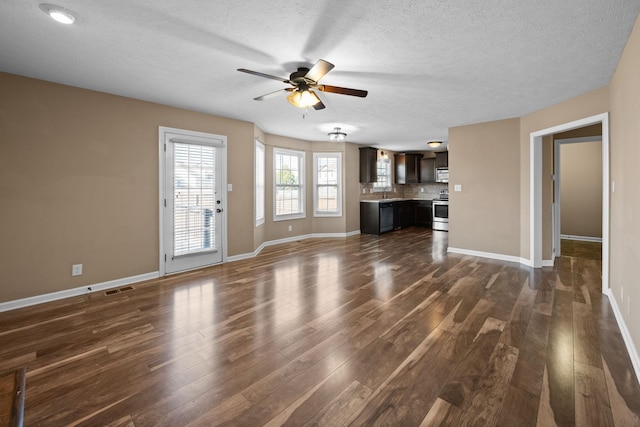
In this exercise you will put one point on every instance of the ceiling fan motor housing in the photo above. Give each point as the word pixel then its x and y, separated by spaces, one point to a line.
pixel 299 76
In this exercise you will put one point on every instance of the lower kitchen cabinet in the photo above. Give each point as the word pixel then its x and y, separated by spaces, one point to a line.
pixel 403 214
pixel 376 218
pixel 381 217
pixel 424 213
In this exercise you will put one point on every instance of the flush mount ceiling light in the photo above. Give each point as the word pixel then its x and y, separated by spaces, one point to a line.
pixel 337 135
pixel 434 144
pixel 58 13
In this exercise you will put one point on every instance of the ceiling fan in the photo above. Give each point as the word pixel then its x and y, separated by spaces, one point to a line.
pixel 303 81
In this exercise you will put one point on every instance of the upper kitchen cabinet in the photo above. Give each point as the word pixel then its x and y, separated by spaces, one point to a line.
pixel 442 159
pixel 407 168
pixel 428 170
pixel 368 165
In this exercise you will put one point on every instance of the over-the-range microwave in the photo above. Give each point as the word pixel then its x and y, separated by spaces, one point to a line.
pixel 442 175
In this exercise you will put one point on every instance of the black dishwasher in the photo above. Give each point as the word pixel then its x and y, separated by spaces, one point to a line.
pixel 386 217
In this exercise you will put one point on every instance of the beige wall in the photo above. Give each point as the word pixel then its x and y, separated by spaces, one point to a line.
pixel 625 173
pixel 581 189
pixel 484 159
pixel 79 184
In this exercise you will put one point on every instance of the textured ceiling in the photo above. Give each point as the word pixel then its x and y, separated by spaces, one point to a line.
pixel 427 64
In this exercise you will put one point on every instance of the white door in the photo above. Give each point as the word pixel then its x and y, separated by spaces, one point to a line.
pixel 193 205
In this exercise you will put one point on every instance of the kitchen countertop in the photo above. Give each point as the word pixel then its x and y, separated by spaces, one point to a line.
pixel 397 199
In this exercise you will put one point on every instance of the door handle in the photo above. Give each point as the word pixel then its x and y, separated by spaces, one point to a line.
pixel 218 210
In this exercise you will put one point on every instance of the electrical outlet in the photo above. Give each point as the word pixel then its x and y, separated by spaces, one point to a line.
pixel 76 270
pixel 422 189
pixel 291 228
pixel 621 293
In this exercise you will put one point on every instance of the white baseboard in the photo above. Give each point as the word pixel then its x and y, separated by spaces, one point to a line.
pixel 581 238
pixel 289 240
pixel 82 290
pixel 628 341
pixel 501 257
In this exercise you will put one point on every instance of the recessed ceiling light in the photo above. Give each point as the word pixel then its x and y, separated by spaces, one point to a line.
pixel 58 13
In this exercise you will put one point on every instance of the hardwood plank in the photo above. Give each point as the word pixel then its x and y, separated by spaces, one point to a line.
pixel 623 414
pixel 412 383
pixel 586 345
pixel 462 385
pixel 560 359
pixel 520 409
pixel 336 412
pixel 442 413
pixel 530 367
pixel 487 401
pixel 592 400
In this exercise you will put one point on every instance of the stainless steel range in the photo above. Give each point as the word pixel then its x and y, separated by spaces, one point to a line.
pixel 441 212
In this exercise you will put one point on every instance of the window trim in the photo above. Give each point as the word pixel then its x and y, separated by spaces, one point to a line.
pixel 259 146
pixel 302 190
pixel 316 185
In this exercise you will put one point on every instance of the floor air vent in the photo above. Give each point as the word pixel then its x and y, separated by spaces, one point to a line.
pixel 117 291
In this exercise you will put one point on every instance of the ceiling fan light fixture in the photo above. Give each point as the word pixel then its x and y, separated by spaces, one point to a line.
pixel 303 99
pixel 434 144
pixel 58 13
pixel 337 135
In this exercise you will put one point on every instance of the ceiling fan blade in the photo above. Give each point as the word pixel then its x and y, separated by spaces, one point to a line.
pixel 272 94
pixel 343 90
pixel 319 69
pixel 319 106
pixel 268 76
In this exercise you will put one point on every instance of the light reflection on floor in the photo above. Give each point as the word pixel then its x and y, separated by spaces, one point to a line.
pixel 329 284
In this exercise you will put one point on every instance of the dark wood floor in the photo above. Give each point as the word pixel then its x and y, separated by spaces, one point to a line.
pixel 366 330
pixel 581 249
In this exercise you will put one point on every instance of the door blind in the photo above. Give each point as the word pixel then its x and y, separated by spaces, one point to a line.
pixel 193 199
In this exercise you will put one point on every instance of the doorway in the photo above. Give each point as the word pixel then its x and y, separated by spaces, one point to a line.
pixel 192 200
pixel 535 190
pixel 577 215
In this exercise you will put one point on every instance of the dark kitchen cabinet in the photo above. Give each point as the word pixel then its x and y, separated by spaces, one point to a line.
pixel 407 168
pixel 442 159
pixel 428 170
pixel 376 218
pixel 424 213
pixel 403 214
pixel 368 165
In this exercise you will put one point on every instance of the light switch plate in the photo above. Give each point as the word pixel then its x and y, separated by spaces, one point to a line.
pixel 229 187
pixel 457 187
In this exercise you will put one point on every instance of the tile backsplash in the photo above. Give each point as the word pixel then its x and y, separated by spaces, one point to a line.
pixel 406 191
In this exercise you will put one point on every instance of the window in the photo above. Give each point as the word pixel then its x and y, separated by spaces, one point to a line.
pixel 259 171
pixel 327 184
pixel 193 198
pixel 288 170
pixel 384 175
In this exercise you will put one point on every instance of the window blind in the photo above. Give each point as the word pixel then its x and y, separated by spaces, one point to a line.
pixel 194 198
